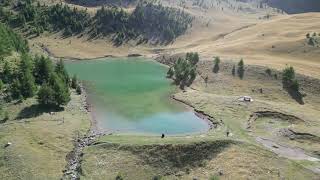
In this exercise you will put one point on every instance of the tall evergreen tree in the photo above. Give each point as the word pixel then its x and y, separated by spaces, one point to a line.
pixel 27 82
pixel 43 69
pixel 62 72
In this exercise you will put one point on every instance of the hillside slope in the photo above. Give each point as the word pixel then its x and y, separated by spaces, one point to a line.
pixel 274 43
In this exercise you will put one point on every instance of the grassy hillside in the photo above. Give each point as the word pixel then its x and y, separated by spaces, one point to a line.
pixel 34 138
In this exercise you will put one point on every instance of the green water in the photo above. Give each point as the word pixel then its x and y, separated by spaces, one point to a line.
pixel 131 95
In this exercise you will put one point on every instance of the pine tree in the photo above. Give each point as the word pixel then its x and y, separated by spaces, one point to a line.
pixel 74 82
pixel 43 69
pixel 55 93
pixel 62 72
pixel 27 82
pixel 46 95
pixel 216 66
pixel 233 70
pixel 241 69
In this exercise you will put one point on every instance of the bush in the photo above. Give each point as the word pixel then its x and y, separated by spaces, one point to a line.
pixel 268 71
pixel 288 79
pixel 233 70
pixel 216 67
pixel 170 72
pixel 241 69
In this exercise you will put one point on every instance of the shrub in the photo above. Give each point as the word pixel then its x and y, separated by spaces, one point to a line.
pixel 233 70
pixel 268 71
pixel 216 66
pixel 170 72
pixel 288 79
pixel 119 177
pixel 308 35
pixel 241 69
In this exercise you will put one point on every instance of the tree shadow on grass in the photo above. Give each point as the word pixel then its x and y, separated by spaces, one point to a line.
pixel 37 110
pixel 296 95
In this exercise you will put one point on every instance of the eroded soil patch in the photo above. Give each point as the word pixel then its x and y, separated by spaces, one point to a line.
pixel 274 115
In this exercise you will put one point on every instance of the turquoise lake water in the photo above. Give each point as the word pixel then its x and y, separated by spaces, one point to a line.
pixel 132 95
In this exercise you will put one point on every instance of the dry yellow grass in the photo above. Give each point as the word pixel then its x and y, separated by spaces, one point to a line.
pixel 273 42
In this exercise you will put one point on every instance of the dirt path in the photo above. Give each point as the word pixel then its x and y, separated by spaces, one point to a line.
pixel 284 151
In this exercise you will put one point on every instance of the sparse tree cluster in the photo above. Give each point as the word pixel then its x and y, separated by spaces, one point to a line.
pixel 184 70
pixel 313 39
pixel 289 80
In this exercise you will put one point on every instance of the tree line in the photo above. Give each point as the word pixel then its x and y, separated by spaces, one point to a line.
pixel 148 21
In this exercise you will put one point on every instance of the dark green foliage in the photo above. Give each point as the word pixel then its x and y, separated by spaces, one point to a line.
pixel 119 177
pixel 1 85
pixel 268 71
pixel 10 41
pixel 233 70
pixel 170 72
pixel 6 74
pixel 147 21
pixel 43 69
pixel 46 95
pixel 193 58
pixel 308 36
pixel 27 82
pixel 241 69
pixel 55 93
pixel 291 84
pixel 62 17
pixel 74 82
pixel 14 89
pixel 158 177
pixel 160 21
pixel 288 79
pixel 62 72
pixel 216 66
pixel 39 18
pixel 184 70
